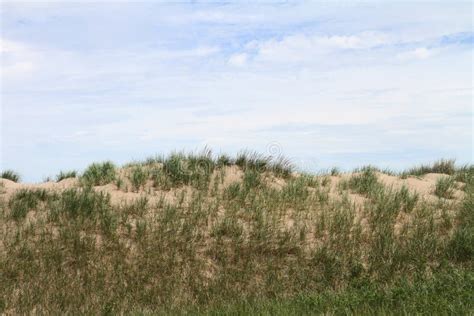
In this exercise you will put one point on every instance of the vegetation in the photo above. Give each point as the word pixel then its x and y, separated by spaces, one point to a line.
pixel 99 174
pixel 65 175
pixel 365 183
pixel 445 166
pixel 10 175
pixel 445 187
pixel 138 177
pixel 242 235
pixel 24 201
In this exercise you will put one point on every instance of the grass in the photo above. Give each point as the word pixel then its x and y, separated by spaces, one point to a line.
pixel 250 160
pixel 65 175
pixel 365 183
pixel 197 243
pixel 10 175
pixel 138 177
pixel 447 293
pixel 445 187
pixel 445 166
pixel 462 244
pixel 99 174
pixel 25 200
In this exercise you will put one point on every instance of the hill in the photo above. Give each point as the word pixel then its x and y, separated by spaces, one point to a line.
pixel 193 233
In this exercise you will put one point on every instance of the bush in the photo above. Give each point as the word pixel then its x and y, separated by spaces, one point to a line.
pixel 99 173
pixel 10 175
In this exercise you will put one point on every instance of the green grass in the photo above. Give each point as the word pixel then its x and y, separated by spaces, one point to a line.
pixel 25 200
pixel 138 177
pixel 200 245
pixel 65 175
pixel 335 172
pixel 451 292
pixel 10 175
pixel 250 160
pixel 445 166
pixel 99 174
pixel 461 247
pixel 445 187
pixel 366 182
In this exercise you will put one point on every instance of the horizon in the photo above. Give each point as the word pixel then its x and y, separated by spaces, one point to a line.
pixel 323 84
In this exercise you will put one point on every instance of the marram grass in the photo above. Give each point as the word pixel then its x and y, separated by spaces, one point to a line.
pixel 267 241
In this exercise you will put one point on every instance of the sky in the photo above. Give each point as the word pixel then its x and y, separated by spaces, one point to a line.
pixel 341 83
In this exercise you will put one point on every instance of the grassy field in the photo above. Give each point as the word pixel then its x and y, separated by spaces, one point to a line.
pixel 199 234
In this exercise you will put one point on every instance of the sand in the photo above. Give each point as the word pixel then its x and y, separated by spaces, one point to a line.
pixel 423 185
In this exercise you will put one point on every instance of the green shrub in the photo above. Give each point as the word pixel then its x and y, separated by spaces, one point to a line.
pixel 99 173
pixel 10 175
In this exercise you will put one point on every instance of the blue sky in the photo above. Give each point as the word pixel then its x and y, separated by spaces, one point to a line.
pixel 323 83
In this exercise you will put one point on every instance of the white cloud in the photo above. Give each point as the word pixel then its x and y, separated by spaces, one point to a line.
pixel 197 52
pixel 302 47
pixel 17 59
pixel 238 59
pixel 7 46
pixel 418 53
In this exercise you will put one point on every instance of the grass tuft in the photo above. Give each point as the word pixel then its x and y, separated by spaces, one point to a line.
pixel 445 187
pixel 445 166
pixel 65 175
pixel 99 174
pixel 10 175
pixel 138 177
pixel 366 182
pixel 25 200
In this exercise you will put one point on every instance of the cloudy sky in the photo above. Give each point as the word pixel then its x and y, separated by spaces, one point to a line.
pixel 344 83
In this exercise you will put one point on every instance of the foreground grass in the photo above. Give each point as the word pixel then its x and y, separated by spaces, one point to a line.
pixel 193 242
pixel 450 292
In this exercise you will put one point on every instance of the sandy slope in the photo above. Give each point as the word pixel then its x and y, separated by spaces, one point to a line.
pixel 424 186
